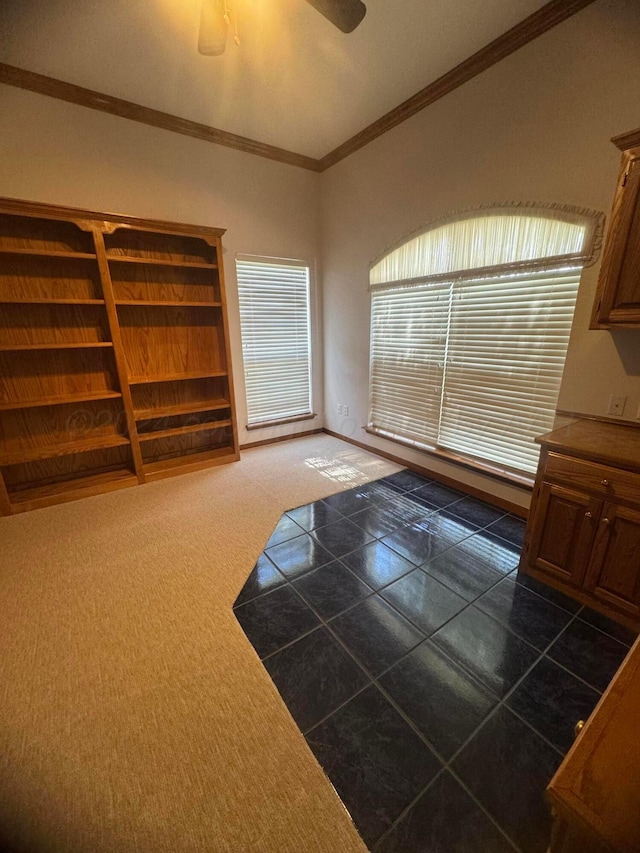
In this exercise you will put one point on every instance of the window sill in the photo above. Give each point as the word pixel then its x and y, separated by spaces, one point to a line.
pixel 523 481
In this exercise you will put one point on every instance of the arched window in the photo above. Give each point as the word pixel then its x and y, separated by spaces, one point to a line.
pixel 470 323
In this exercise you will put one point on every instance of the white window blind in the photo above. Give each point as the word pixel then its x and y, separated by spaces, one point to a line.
pixel 276 340
pixel 470 359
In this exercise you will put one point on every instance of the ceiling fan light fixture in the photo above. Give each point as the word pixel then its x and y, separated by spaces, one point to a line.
pixel 212 40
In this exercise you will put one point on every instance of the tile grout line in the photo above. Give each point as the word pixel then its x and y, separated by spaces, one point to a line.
pixel 374 680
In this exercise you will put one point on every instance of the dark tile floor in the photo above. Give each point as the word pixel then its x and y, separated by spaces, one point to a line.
pixel 436 686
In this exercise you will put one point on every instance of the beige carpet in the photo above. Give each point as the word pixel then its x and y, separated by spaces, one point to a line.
pixel 135 716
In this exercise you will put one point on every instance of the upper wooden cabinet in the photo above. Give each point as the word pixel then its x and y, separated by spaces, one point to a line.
pixel 617 302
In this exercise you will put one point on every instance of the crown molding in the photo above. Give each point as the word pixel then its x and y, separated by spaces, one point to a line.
pixel 530 28
pixel 627 140
pixel 53 88
pixel 547 17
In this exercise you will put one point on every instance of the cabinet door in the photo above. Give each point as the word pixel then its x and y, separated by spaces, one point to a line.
pixel 562 532
pixel 618 300
pixel 614 569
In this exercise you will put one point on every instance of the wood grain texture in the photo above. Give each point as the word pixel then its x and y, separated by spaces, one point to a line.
pixel 39 431
pixel 180 397
pixel 630 139
pixel 535 25
pixel 58 325
pixel 173 284
pixel 596 787
pixel 38 497
pixel 617 300
pixel 25 278
pixel 549 16
pixel 23 79
pixel 86 219
pixel 99 309
pixel 583 535
pixel 613 444
pixel 119 352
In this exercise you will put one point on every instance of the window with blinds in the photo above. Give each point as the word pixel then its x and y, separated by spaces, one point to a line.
pixel 470 325
pixel 276 338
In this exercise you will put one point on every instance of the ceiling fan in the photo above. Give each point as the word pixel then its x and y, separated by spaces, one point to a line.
pixel 216 15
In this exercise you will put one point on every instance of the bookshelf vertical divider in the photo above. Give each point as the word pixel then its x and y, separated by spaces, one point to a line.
pixel 115 362
pixel 118 352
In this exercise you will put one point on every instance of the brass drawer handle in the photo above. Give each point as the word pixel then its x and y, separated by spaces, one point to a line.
pixel 588 514
pixel 578 728
pixel 606 483
pixel 606 521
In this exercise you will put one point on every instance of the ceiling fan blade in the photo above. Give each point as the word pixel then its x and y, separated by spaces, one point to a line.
pixel 213 28
pixel 344 14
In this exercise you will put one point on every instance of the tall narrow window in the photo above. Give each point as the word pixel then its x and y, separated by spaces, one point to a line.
pixel 470 325
pixel 276 340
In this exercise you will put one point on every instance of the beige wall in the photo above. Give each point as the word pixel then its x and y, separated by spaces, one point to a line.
pixel 535 127
pixel 55 152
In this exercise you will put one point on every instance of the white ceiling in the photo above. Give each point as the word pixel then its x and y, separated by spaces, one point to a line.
pixel 295 81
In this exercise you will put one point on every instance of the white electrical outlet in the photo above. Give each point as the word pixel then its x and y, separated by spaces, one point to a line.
pixel 616 405
pixel 339 408
pixel 345 410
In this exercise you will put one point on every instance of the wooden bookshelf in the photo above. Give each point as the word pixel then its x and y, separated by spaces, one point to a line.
pixel 114 353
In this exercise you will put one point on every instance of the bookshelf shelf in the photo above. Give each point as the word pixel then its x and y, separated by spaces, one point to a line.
pixel 108 325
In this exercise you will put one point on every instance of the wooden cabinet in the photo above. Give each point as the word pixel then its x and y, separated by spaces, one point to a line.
pixel 617 302
pixel 583 534
pixel 595 793
pixel 114 353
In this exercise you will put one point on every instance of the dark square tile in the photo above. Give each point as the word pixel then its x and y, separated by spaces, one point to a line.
pixel 376 634
pixel 275 619
pixel 376 520
pixel 313 515
pixel 380 520
pixel 350 501
pixel 331 589
pixel 511 528
pixel 285 529
pixel 486 649
pixel 422 541
pixel 445 703
pixel 461 573
pixel 507 766
pixel 552 701
pixel 548 592
pixel 375 761
pixel 489 550
pixel 377 565
pixel 342 537
pixel 449 522
pixel 264 577
pixel 299 555
pixel 379 492
pixel 436 493
pixel 405 480
pixel 528 615
pixel 444 820
pixel 588 653
pixel 608 626
pixel 314 677
pixel 423 600
pixel 478 512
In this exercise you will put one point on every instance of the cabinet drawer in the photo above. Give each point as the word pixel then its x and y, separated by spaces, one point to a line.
pixel 598 479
